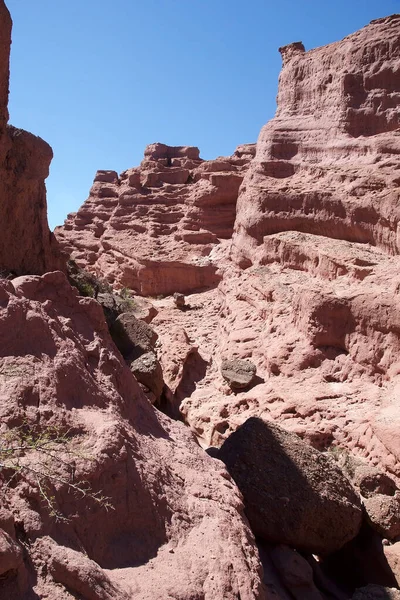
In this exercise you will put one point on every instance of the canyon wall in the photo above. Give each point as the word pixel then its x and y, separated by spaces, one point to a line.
pixel 289 255
pixel 26 244
pixel 307 267
pixel 328 163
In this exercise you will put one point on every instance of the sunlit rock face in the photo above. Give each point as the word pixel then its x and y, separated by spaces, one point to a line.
pixel 164 500
pixel 328 163
pixel 156 228
pixel 26 244
pixel 311 293
pixel 300 237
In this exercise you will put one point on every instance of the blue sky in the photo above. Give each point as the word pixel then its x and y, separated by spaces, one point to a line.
pixel 100 79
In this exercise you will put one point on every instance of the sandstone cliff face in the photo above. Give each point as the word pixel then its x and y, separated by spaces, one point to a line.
pixel 26 244
pixel 102 497
pixel 328 163
pixel 310 293
pixel 156 228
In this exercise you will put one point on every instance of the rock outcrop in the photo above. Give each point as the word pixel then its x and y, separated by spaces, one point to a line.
pixel 156 228
pixel 26 244
pixel 102 497
pixel 164 500
pixel 328 163
pixel 311 294
pixel 311 291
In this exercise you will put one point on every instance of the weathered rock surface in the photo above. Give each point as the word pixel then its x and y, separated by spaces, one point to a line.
pixel 316 308
pixel 132 336
pixel 392 554
pixel 327 164
pixel 155 228
pixel 148 372
pixel 296 573
pixel 171 506
pixel 293 494
pixel 384 514
pixel 24 165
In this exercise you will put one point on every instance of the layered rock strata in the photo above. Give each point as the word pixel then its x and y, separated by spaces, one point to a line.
pixel 307 269
pixel 102 497
pixel 156 228
pixel 328 162
pixel 310 293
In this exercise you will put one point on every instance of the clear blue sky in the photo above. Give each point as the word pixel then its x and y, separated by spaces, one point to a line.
pixel 101 79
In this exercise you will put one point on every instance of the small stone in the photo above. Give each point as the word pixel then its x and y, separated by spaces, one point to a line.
pixel 148 372
pixel 239 374
pixel 179 300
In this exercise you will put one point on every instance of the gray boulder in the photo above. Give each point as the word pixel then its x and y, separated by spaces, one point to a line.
pixel 293 494
pixel 148 372
pixel 376 592
pixel 132 336
pixel 238 373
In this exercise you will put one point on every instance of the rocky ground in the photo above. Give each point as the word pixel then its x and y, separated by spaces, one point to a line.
pixel 199 372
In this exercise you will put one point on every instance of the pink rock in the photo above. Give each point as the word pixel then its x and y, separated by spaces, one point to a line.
pixel 336 106
pixel 155 228
pixel 171 505
pixel 392 555
pixel 10 553
pixel 384 514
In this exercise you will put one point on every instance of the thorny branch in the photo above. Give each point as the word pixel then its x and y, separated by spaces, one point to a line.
pixel 21 445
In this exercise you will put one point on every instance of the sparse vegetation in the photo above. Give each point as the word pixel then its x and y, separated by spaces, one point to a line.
pixel 46 460
pixel 86 283
pixel 127 302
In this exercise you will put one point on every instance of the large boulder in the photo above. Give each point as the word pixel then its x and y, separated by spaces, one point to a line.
pixel 132 336
pixel 293 494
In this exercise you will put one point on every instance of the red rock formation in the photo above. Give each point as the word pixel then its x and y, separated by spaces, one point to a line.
pixel 307 289
pixel 328 163
pixel 102 497
pixel 26 244
pixel 171 506
pixel 154 229
pixel 311 294
pixel 316 308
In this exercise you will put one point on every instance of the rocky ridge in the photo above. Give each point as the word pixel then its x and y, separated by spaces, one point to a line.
pixel 156 229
